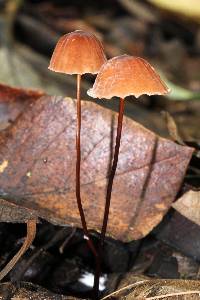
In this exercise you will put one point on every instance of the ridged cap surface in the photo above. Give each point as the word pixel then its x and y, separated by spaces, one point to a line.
pixel 127 75
pixel 77 52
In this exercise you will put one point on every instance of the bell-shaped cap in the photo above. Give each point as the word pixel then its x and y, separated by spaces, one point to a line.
pixel 127 75
pixel 77 52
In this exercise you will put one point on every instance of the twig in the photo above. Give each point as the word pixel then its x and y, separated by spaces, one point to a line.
pixel 31 232
pixel 64 244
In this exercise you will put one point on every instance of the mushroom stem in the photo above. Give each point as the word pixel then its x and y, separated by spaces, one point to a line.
pixel 78 167
pixel 108 195
pixel 112 172
pixel 31 232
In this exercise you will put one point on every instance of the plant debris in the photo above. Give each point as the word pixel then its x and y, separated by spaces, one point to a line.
pixel 135 287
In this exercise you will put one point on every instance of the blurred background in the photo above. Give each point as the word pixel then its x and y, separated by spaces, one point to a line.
pixel 166 33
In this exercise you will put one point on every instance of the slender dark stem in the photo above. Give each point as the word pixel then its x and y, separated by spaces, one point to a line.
pixel 112 172
pixel 109 191
pixel 78 167
pixel 97 274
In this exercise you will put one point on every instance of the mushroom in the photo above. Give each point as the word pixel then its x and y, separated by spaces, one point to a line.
pixel 78 53
pixel 122 76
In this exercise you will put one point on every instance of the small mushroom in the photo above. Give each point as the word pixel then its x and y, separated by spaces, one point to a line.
pixel 78 53
pixel 122 76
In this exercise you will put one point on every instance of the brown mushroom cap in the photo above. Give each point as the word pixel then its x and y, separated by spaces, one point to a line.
pixel 77 52
pixel 127 75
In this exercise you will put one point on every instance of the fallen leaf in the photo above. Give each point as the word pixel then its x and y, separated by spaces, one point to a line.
pixel 188 268
pixel 29 291
pixel 42 143
pixel 189 206
pixel 12 213
pixel 180 233
pixel 12 102
pixel 141 288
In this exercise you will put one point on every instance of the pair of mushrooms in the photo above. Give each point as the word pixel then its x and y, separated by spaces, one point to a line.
pixel 80 52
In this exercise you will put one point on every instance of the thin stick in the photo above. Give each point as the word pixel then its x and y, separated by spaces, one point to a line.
pixel 78 167
pixel 31 232
pixel 109 192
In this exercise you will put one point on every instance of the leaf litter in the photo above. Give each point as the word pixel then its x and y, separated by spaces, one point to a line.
pixel 188 205
pixel 42 143
pixel 141 287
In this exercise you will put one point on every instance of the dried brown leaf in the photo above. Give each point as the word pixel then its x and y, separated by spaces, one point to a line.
pixel 40 173
pixel 189 206
pixel 141 288
pixel 180 233
pixel 12 213
pixel 29 291
pixel 188 268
